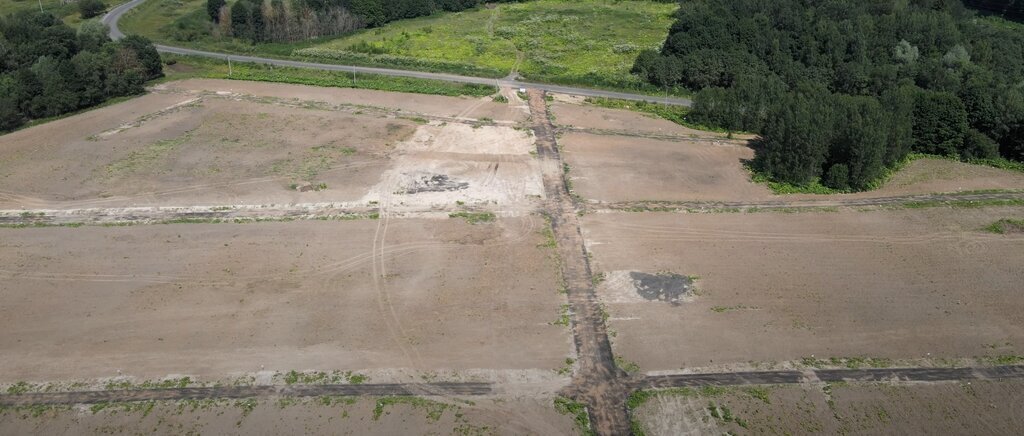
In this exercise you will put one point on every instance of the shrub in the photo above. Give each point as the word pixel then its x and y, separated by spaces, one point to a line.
pixel 91 8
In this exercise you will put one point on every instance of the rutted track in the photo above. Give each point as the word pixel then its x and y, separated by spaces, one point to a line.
pixel 144 215
pixel 830 376
pixel 236 392
pixel 598 383
pixel 697 206
pixel 112 17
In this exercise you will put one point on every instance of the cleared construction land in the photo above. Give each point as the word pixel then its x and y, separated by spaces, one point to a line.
pixel 775 286
pixel 238 257
pixel 853 408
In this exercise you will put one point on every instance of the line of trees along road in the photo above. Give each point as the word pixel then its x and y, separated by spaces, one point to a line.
pixel 842 90
pixel 48 69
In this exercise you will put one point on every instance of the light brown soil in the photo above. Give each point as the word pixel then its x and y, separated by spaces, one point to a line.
pixel 938 175
pixel 625 168
pixel 317 416
pixel 621 168
pixel 775 286
pixel 211 300
pixel 224 150
pixel 593 117
pixel 217 151
pixel 976 408
pixel 466 107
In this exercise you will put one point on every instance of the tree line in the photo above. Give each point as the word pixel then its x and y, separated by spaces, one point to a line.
pixel 49 69
pixel 842 90
pixel 293 20
pixel 1006 8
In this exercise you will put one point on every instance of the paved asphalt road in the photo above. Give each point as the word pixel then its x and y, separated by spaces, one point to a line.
pixel 112 17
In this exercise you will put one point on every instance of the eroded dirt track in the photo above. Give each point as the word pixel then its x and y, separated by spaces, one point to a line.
pixel 598 383
pixel 233 392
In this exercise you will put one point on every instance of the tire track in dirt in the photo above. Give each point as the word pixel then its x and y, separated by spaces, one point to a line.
pixel 238 392
pixel 741 206
pixel 379 270
pixel 829 376
pixel 598 382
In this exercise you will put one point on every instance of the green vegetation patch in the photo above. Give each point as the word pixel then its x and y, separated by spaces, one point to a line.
pixel 149 384
pixel 322 377
pixel 586 42
pixel 578 411
pixel 628 366
pixel 1006 225
pixel 847 362
pixel 474 217
pixel 146 157
pixel 1006 359
pixel 183 67
pixel 590 42
pixel 434 409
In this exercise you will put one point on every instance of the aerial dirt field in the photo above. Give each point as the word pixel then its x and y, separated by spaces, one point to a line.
pixel 198 147
pixel 437 105
pixel 975 408
pixel 622 168
pixel 573 112
pixel 235 232
pixel 314 416
pixel 611 168
pixel 422 295
pixel 777 286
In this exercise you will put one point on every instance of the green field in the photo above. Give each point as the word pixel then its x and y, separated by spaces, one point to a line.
pixel 588 42
pixel 67 12
pixel 591 42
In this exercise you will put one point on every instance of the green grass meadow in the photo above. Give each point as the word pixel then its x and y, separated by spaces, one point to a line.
pixel 590 42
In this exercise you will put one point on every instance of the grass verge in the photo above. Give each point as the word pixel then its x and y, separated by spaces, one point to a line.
pixel 185 67
pixel 815 187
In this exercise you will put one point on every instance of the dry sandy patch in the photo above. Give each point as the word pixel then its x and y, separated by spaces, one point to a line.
pixel 978 407
pixel 449 163
pixel 776 287
pixel 211 300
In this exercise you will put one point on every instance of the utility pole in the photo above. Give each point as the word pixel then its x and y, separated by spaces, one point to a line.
pixel 40 6
pixel 229 66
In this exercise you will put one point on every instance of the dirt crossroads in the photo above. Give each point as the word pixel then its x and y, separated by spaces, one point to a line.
pixel 398 268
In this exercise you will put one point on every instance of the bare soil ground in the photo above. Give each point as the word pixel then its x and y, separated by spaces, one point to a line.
pixel 316 416
pixel 572 112
pixel 467 107
pixel 212 149
pixel 622 168
pixel 214 300
pixel 775 286
pixel 626 168
pixel 975 408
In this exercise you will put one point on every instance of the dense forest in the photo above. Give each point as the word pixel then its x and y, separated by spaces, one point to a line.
pixel 840 91
pixel 1006 8
pixel 48 69
pixel 293 20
